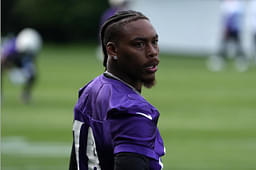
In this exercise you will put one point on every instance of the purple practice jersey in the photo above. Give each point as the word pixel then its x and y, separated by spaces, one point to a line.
pixel 112 117
pixel 9 48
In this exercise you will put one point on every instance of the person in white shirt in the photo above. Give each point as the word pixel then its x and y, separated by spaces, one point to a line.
pixel 253 26
pixel 232 12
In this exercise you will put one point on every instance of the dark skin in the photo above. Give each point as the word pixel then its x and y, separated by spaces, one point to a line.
pixel 137 54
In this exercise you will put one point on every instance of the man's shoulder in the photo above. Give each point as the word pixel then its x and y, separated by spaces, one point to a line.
pixel 104 87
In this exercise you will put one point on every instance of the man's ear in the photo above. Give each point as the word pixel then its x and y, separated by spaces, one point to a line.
pixel 111 49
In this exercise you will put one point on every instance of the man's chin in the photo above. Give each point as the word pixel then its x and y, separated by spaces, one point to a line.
pixel 149 83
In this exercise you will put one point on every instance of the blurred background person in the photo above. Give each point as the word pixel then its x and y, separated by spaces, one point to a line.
pixel 115 6
pixel 232 12
pixel 18 57
pixel 253 26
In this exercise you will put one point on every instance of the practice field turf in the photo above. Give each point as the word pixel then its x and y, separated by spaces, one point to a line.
pixel 208 119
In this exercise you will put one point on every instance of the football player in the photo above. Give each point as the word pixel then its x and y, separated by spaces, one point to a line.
pixel 18 56
pixel 114 127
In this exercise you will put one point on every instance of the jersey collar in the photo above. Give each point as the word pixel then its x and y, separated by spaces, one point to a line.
pixel 108 74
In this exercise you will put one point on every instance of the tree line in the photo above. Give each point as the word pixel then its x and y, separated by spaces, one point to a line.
pixel 56 20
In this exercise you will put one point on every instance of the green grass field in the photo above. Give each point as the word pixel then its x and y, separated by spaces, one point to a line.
pixel 208 119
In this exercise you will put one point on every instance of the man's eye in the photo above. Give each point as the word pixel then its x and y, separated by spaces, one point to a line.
pixel 155 42
pixel 140 44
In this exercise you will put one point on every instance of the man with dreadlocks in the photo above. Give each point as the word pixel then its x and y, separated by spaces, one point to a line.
pixel 114 127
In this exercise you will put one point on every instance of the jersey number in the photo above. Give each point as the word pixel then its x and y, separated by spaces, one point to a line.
pixel 91 152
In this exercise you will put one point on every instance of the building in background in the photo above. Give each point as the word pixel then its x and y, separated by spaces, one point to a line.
pixel 190 26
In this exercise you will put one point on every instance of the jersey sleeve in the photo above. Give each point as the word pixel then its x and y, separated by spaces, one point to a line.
pixel 132 132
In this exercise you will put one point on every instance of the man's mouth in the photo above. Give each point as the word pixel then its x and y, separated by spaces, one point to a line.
pixel 151 68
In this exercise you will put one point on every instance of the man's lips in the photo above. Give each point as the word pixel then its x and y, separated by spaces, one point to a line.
pixel 152 68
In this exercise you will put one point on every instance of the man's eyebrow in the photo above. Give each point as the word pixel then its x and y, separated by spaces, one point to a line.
pixel 144 38
pixel 139 39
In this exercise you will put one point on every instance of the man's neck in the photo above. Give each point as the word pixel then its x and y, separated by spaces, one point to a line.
pixel 135 86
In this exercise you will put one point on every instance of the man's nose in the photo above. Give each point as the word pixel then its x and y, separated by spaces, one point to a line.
pixel 152 50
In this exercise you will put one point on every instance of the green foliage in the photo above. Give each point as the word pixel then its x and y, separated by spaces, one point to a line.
pixel 207 119
pixel 69 20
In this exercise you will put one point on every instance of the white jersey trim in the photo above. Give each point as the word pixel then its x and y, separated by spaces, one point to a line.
pixel 91 152
pixel 161 164
pixel 76 129
pixel 145 115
